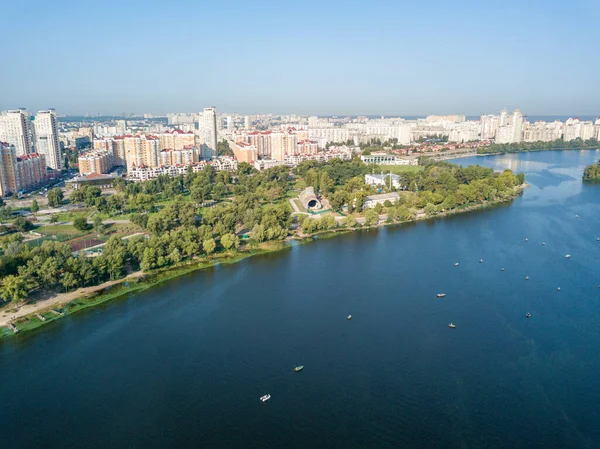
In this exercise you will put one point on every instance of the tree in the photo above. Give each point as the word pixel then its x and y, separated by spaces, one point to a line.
pixel 430 210
pixel 53 218
pixel 371 217
pixel 5 213
pixel 349 221
pixel 209 246
pixel 34 207
pixel 81 224
pixel 21 224
pixel 15 288
pixel 230 241
pixel 55 197
pixel 98 225
pixel 309 225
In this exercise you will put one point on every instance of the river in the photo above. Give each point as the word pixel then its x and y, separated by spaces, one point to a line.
pixel 184 365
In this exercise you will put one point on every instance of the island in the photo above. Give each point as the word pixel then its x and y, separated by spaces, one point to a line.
pixel 146 232
pixel 592 172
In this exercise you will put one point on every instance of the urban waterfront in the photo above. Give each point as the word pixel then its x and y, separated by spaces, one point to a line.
pixel 184 365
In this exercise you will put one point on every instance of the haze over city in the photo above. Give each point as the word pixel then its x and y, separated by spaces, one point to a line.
pixel 321 58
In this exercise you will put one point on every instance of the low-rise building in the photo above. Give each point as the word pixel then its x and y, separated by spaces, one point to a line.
pixel 381 158
pixel 263 164
pixel 94 179
pixel 143 173
pixel 372 200
pixel 382 180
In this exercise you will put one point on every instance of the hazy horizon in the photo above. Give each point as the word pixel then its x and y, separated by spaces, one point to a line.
pixel 319 58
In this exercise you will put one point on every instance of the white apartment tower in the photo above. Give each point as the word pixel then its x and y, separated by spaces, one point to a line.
pixel 517 126
pixel 207 127
pixel 47 144
pixel 15 130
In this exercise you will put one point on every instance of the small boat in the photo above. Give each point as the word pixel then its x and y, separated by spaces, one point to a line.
pixel 441 295
pixel 526 278
pixel 576 216
pixel 568 256
pixel 451 326
pixel 480 260
pixel 299 368
pixel 526 240
pixel 501 269
pixel 456 264
pixel 528 315
pixel 598 239
pixel 265 398
pixel 558 289
pixel 349 317
pixel 543 243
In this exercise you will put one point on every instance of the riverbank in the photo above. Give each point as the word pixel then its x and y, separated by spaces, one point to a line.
pixel 32 316
pixel 496 149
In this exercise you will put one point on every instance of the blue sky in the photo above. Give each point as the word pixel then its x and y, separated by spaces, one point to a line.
pixel 311 57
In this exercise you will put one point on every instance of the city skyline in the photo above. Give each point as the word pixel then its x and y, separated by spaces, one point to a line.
pixel 323 58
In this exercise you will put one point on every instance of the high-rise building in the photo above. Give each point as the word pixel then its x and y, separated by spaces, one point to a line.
pixel 15 130
pixel 229 123
pixel 47 144
pixel 207 128
pixel 95 161
pixel 19 173
pixel 121 126
pixel 246 122
pixel 9 175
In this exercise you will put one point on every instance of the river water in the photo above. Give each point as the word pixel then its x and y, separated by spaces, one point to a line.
pixel 184 364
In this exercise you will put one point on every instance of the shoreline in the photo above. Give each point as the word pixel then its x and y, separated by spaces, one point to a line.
pixel 42 313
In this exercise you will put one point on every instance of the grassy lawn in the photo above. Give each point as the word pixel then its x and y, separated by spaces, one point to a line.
pixel 122 228
pixel 61 232
pixel 72 215
pixel 399 169
pixel 298 204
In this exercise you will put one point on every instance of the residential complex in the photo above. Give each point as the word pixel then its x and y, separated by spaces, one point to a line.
pixel 19 173
pixel 95 161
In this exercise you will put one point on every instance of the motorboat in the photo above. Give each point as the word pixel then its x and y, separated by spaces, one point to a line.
pixel 456 264
pixel 528 315
pixel 480 260
pixel 451 326
pixel 441 295
pixel 299 368
pixel 558 289
pixel 526 278
pixel 349 317
pixel 501 269
pixel 576 216
pixel 568 256
pixel 526 240
pixel 265 398
pixel 543 243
